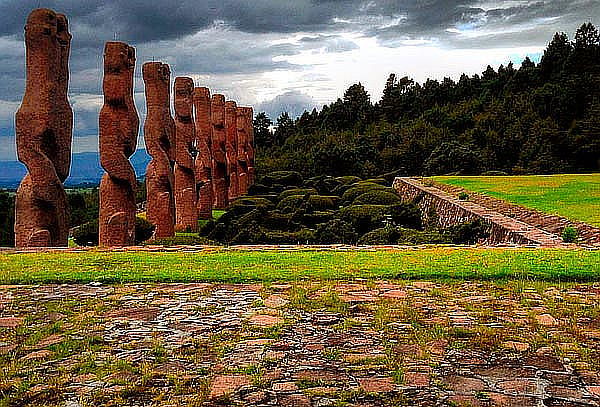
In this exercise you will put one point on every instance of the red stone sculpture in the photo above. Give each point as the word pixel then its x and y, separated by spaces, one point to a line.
pixel 219 157
pixel 204 157
pixel 242 150
pixel 231 150
pixel 185 182
pixel 44 125
pixel 250 146
pixel 119 126
pixel 159 135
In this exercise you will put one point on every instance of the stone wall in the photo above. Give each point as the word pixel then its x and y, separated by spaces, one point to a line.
pixel 588 234
pixel 449 211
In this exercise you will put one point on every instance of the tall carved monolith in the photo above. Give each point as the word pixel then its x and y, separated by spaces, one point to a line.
pixel 242 150
pixel 185 138
pixel 231 150
pixel 119 126
pixel 250 147
pixel 44 128
pixel 204 156
pixel 159 136
pixel 219 157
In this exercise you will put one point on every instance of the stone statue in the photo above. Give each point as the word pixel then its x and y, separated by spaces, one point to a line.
pixel 250 146
pixel 185 182
pixel 159 135
pixel 231 149
pixel 119 126
pixel 242 149
pixel 204 157
pixel 219 157
pixel 44 128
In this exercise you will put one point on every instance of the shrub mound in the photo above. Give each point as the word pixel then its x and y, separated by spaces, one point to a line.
pixel 283 209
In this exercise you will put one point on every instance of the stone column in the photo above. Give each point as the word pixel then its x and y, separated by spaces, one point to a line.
pixel 159 135
pixel 204 157
pixel 44 126
pixel 185 182
pixel 219 158
pixel 119 126
pixel 242 150
pixel 231 150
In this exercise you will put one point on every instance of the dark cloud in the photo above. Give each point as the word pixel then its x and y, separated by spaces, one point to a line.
pixel 231 43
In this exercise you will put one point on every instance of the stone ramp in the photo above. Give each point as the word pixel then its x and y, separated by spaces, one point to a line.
pixel 451 211
pixel 588 234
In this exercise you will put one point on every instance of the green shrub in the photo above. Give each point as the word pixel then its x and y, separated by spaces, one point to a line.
pixel 303 236
pixel 296 191
pixel 463 196
pixel 291 203
pixel 143 230
pixel 468 232
pixel 279 221
pixel 414 237
pixel 315 218
pixel 322 203
pixel 364 218
pixel 570 234
pixel 324 184
pixel 494 173
pixel 357 190
pixel 286 178
pixel 182 240
pixel 86 234
pixel 385 235
pixel 336 231
pixel 406 214
pixel 377 198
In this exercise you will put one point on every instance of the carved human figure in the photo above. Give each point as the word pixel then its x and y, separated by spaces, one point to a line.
pixel 44 126
pixel 231 150
pixel 204 157
pixel 159 136
pixel 119 127
pixel 219 156
pixel 185 182
pixel 250 149
pixel 242 153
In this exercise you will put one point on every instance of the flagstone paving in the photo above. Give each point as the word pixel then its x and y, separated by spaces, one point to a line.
pixel 366 343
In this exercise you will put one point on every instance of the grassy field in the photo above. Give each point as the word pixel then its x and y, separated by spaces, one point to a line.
pixel 252 266
pixel 575 197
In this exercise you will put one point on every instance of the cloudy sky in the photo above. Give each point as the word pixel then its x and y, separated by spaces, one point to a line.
pixel 282 54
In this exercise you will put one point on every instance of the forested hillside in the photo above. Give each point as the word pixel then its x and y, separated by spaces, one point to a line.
pixel 539 118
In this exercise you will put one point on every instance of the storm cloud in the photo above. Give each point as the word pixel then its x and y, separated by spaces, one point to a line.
pixel 282 54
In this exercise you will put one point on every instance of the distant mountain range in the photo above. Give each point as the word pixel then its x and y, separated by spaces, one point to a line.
pixel 85 169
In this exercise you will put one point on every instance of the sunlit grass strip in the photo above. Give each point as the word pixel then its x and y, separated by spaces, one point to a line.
pixel 575 196
pixel 253 266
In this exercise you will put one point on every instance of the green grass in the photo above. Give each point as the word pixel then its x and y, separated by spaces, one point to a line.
pixel 576 197
pixel 251 266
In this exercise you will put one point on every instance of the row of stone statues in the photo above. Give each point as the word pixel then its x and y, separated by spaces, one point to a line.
pixel 200 160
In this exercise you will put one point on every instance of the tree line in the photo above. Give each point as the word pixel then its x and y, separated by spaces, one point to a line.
pixel 537 118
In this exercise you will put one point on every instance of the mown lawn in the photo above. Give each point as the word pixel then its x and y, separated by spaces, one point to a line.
pixel 239 266
pixel 575 197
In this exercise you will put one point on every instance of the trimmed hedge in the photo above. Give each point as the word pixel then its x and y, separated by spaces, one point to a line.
pixel 336 231
pixel 357 190
pixel 291 203
pixel 364 218
pixel 296 191
pixel 377 198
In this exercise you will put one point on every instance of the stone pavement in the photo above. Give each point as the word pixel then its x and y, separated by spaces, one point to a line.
pixel 364 343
